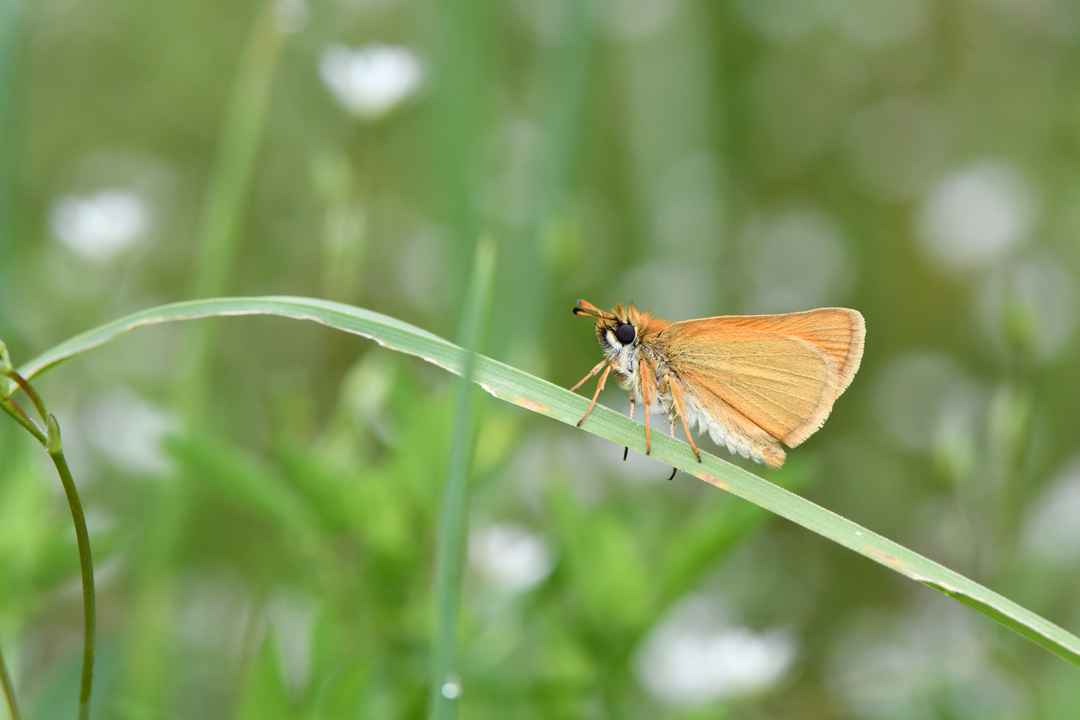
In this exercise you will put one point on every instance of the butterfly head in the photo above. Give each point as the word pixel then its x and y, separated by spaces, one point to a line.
pixel 617 331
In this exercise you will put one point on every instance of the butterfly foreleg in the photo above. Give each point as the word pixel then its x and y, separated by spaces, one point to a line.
pixel 626 450
pixel 599 387
pixel 591 373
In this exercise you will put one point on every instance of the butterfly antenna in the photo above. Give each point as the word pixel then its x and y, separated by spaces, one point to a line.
pixel 587 308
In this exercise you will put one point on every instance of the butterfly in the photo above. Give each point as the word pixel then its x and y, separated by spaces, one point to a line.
pixel 752 381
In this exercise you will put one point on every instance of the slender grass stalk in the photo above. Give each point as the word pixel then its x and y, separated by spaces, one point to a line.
pixel 539 396
pixel 86 564
pixel 453 516
pixel 228 189
pixel 9 688
pixel 53 445
pixel 20 417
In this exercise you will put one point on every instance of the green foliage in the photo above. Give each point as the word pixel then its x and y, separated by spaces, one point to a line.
pixel 263 497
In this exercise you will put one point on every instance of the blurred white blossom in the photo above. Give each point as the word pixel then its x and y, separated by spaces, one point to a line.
pixel 293 619
pixel 371 80
pixel 1051 530
pixel 932 663
pixel 101 225
pixel 694 657
pixel 976 215
pixel 128 431
pixel 510 556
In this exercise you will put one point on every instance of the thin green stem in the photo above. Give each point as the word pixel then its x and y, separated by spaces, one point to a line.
pixel 86 565
pixel 53 445
pixel 9 689
pixel 227 190
pixel 445 682
pixel 30 393
pixel 16 412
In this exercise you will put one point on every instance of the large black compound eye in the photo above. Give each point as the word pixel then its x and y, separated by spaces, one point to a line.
pixel 625 333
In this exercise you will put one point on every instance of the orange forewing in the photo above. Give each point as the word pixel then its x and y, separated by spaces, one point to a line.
pixel 780 373
pixel 838 331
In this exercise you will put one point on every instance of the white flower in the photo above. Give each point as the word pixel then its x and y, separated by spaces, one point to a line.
pixel 1051 530
pixel 510 556
pixel 371 80
pixel 976 215
pixel 693 657
pixel 101 225
pixel 129 431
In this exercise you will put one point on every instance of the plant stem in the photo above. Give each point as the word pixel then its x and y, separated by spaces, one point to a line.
pixel 445 684
pixel 20 417
pixel 227 190
pixel 55 448
pixel 32 394
pixel 86 565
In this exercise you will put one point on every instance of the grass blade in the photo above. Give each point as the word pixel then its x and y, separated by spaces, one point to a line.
pixel 540 396
pixel 453 515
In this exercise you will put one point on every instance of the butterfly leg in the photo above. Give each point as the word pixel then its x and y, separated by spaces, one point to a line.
pixel 591 373
pixel 643 377
pixel 626 450
pixel 671 422
pixel 677 398
pixel 599 387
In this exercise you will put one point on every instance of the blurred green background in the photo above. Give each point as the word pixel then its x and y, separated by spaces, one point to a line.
pixel 263 495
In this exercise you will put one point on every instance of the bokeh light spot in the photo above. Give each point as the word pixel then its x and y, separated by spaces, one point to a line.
pixel 975 216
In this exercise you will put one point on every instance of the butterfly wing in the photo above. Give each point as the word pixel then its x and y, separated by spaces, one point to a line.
pixel 782 373
pixel 840 332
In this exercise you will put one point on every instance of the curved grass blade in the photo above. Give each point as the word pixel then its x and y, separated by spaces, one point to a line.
pixel 540 396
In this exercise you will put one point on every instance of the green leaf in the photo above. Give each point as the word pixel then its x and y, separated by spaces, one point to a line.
pixel 542 397
pixel 265 696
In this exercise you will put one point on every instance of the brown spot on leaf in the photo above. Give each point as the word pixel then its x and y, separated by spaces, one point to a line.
pixel 886 557
pixel 713 481
pixel 531 405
